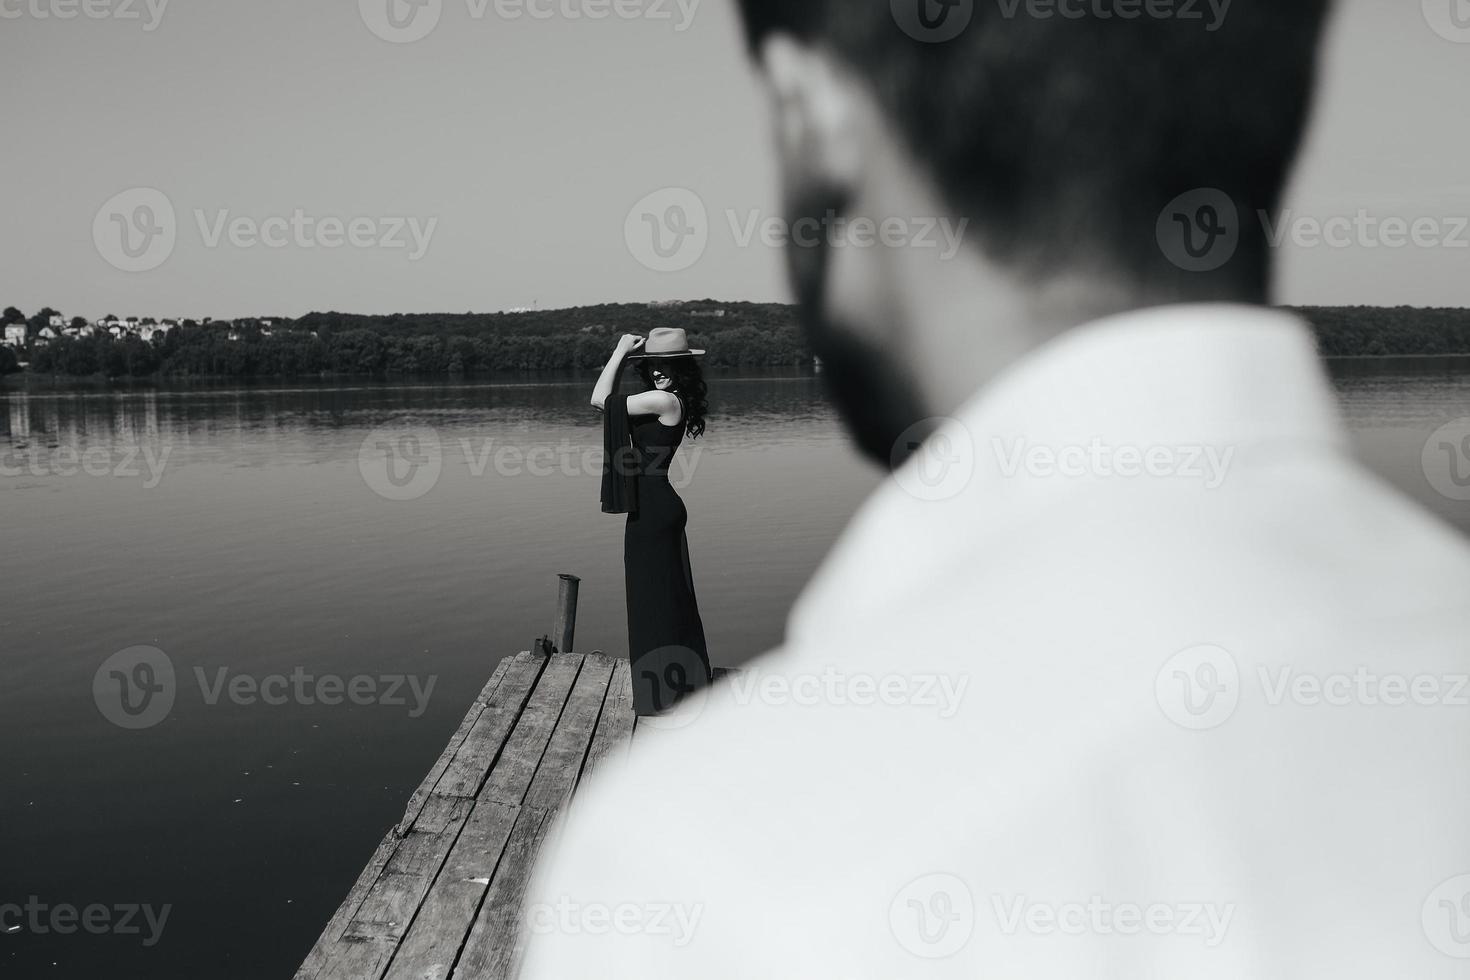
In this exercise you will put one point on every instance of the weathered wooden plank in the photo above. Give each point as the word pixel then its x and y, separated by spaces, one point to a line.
pixel 314 961
pixel 561 764
pixel 439 815
pixel 327 944
pixel 615 724
pixel 395 897
pixel 477 707
pixel 513 770
pixel 349 960
pixel 495 945
pixel 482 745
pixel 433 942
pixel 443 893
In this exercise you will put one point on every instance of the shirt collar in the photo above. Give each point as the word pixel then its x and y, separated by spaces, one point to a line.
pixel 1181 382
pixel 1188 372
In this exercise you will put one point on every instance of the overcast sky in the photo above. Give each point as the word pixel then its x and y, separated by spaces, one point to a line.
pixel 495 161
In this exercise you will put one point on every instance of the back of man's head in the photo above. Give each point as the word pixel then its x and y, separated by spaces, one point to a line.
pixel 1062 128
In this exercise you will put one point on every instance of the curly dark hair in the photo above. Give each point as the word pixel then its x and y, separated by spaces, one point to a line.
pixel 688 385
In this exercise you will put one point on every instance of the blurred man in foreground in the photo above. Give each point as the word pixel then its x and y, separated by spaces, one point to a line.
pixel 1128 670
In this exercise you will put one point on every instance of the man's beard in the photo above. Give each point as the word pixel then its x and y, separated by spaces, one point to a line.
pixel 878 402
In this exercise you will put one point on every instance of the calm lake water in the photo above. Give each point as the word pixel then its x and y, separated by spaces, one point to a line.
pixel 252 533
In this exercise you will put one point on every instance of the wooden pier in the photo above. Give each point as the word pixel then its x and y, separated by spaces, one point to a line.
pixel 441 896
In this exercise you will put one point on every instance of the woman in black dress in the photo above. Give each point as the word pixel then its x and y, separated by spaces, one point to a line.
pixel 641 434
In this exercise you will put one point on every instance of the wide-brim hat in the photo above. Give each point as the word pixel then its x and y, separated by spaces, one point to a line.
pixel 666 342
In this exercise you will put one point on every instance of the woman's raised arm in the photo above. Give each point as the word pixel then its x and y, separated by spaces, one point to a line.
pixel 627 344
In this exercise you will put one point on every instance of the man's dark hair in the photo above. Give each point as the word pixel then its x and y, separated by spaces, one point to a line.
pixel 1065 137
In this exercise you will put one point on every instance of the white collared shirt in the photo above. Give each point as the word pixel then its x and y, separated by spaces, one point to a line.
pixel 1130 672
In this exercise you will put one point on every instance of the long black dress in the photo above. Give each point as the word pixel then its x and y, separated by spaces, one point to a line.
pixel 665 634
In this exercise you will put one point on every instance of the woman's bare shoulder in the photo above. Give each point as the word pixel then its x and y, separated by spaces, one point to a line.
pixel 654 403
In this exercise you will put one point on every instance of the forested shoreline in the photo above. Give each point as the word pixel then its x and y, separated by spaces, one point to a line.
pixel 737 335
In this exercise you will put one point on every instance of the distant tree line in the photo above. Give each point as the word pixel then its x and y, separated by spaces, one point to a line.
pixel 1374 331
pixel 745 335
